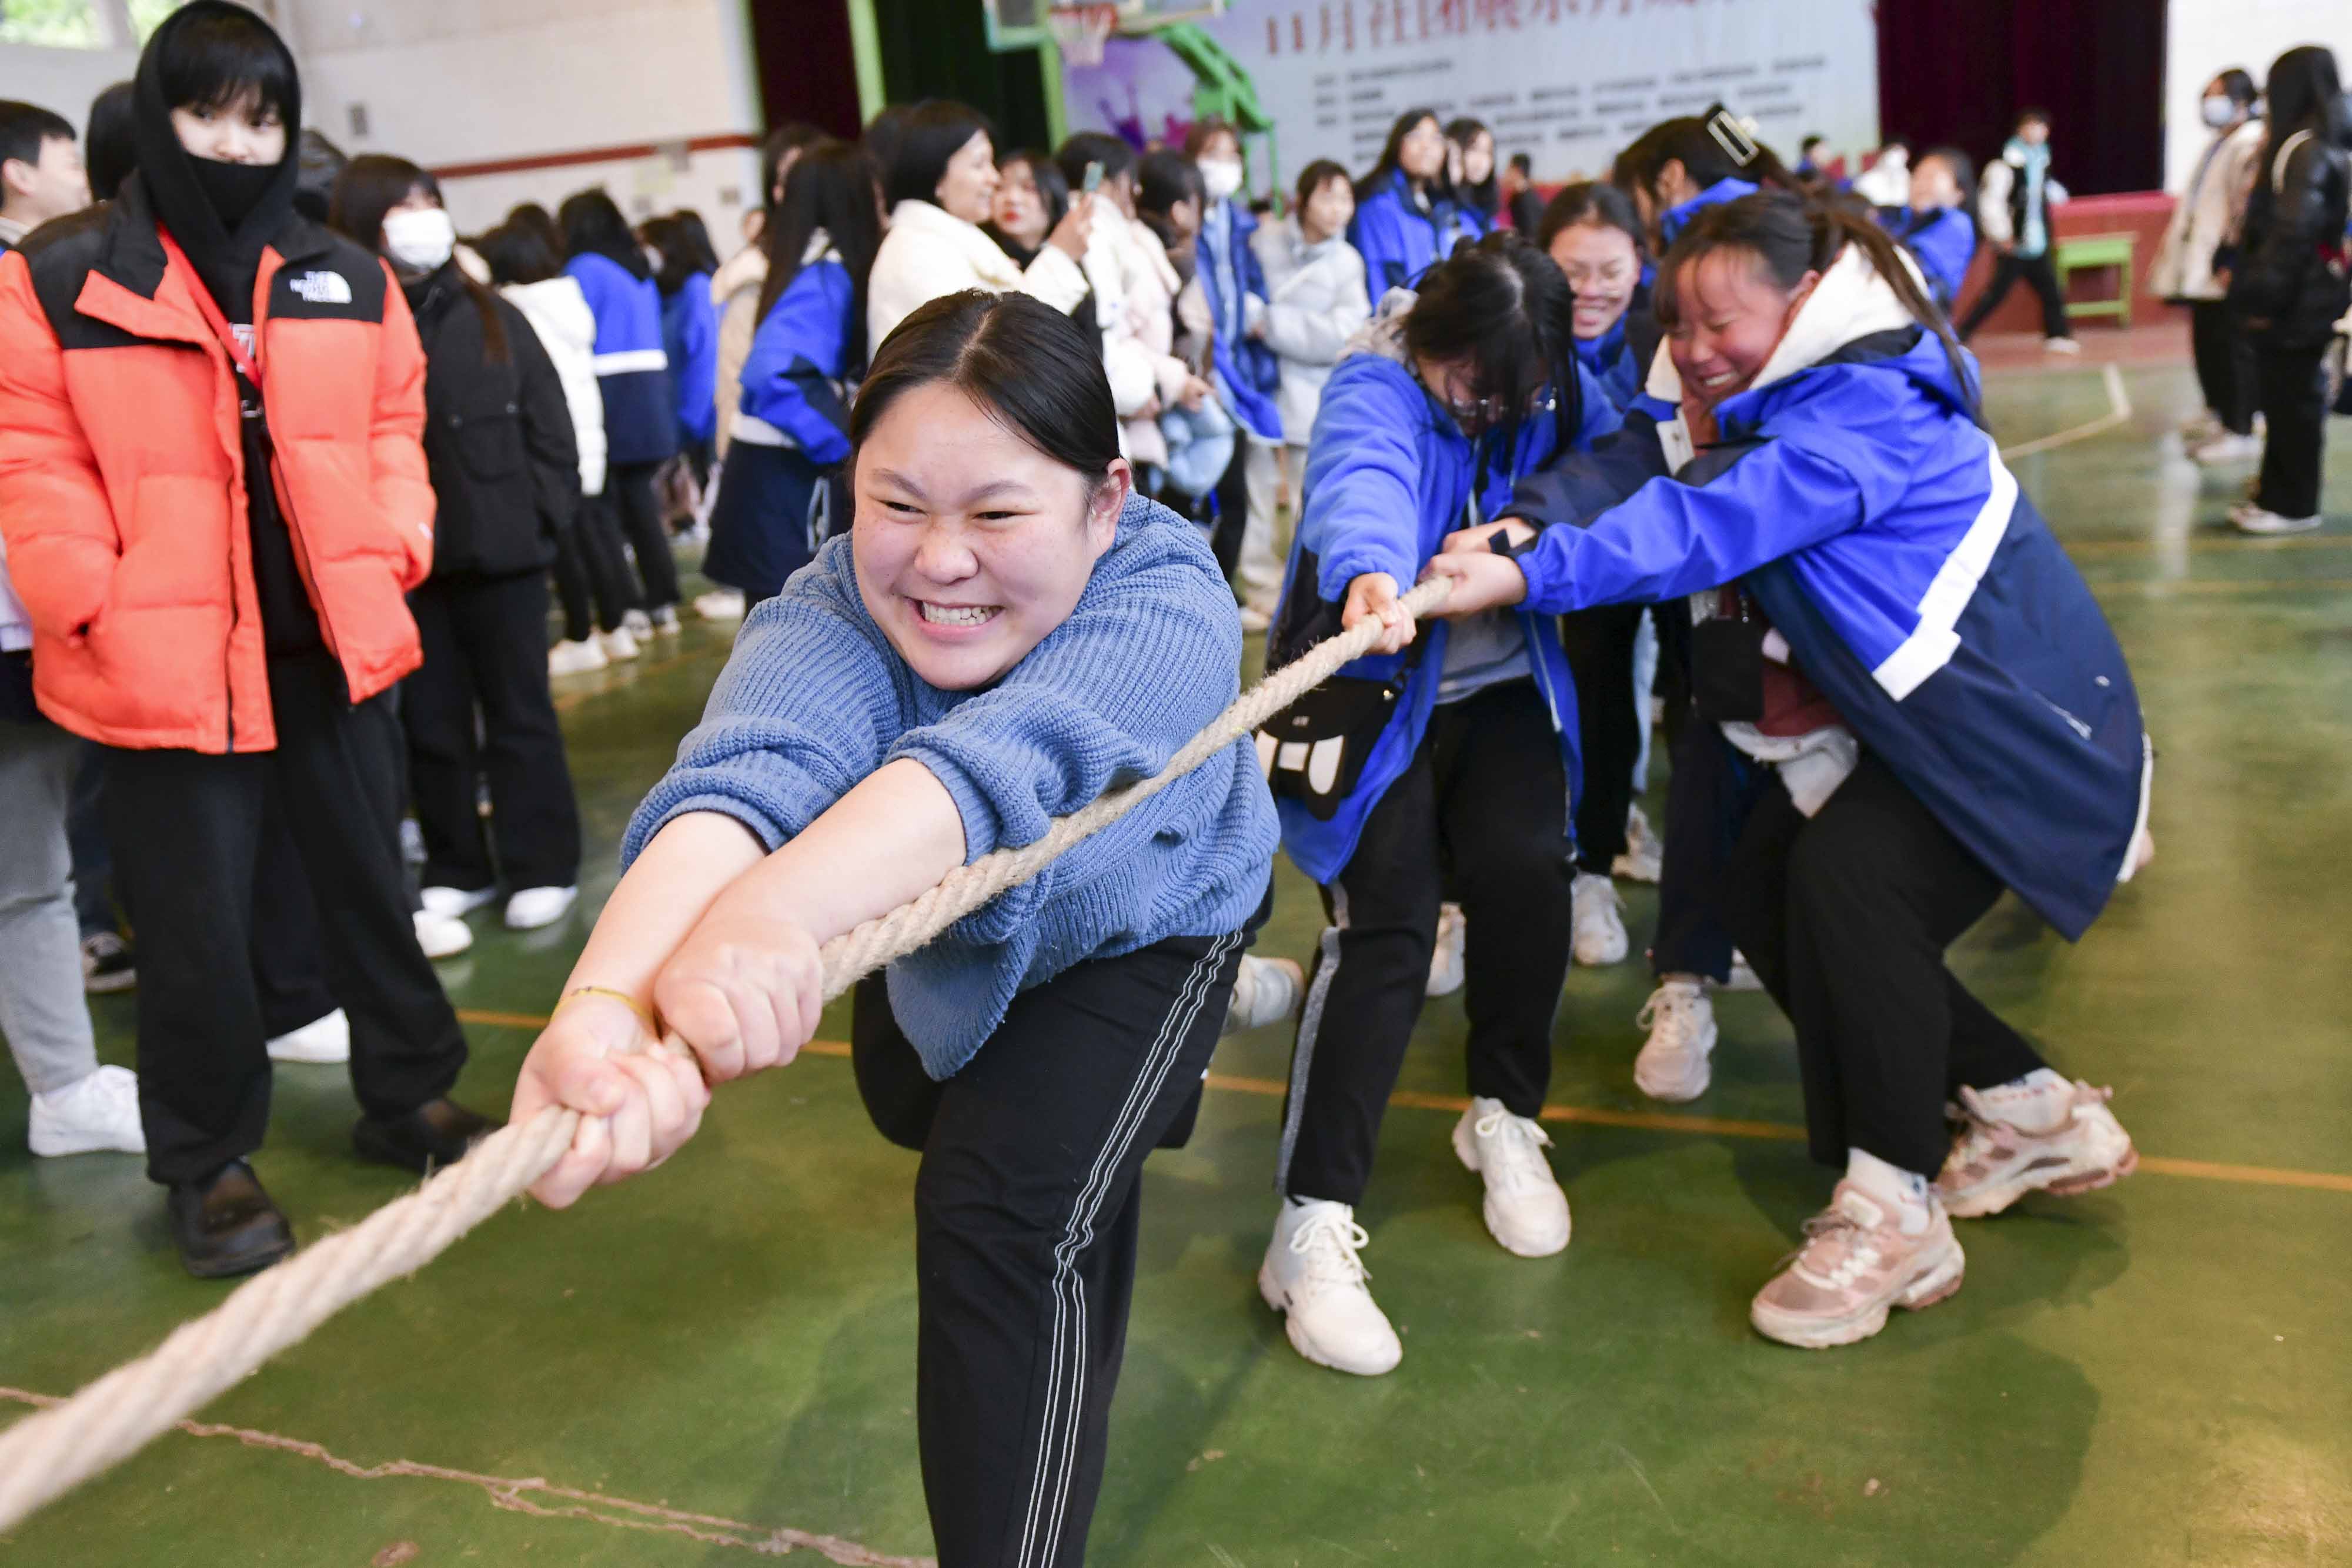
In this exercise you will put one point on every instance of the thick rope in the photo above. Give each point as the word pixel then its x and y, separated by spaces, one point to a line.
pixel 45 1454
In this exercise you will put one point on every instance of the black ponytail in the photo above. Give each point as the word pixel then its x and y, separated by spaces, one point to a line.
pixel 1504 305
pixel 1792 234
pixel 1713 146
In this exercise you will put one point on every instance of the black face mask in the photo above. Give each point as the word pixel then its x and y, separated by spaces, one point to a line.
pixel 233 189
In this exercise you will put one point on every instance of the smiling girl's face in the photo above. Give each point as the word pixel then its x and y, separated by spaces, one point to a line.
pixel 972 545
pixel 1731 316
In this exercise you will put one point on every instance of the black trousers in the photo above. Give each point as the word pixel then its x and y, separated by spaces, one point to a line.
pixel 187 829
pixel 2225 353
pixel 1487 793
pixel 2040 274
pixel 1709 794
pixel 591 572
pixel 1599 643
pixel 1027 1206
pixel 479 708
pixel 1845 916
pixel 2294 396
pixel 629 498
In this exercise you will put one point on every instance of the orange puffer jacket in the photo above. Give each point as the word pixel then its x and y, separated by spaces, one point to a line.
pixel 122 478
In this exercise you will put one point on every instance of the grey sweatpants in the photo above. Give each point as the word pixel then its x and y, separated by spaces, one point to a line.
pixel 42 1011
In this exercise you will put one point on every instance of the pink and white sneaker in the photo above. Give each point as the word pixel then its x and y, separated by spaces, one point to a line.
pixel 1855 1265
pixel 1994 1163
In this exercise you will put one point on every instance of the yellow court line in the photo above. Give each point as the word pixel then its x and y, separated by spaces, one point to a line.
pixel 1643 1121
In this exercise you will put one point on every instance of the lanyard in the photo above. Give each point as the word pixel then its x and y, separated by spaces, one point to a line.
pixel 210 308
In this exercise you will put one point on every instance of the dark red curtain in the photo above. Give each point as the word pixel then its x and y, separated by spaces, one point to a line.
pixel 807 68
pixel 1959 71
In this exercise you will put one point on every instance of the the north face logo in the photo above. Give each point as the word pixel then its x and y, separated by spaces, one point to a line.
pixel 322 287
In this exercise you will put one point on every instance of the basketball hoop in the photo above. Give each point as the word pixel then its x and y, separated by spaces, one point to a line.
pixel 1081 31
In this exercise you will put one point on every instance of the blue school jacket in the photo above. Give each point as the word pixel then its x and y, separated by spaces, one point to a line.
pixel 1389 475
pixel 632 366
pixel 1917 585
pixel 1230 274
pixel 1942 240
pixel 1676 218
pixel 1400 242
pixel 1616 368
pixel 799 360
pixel 690 338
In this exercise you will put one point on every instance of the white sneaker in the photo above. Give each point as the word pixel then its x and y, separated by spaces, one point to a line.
pixel 1445 962
pixel 2249 519
pixel 453 903
pixel 1526 1211
pixel 1265 990
pixel 1599 921
pixel 323 1040
pixel 2226 447
pixel 441 935
pixel 1743 975
pixel 722 604
pixel 1674 1064
pixel 2204 427
pixel 618 644
pixel 637 624
pixel 2061 345
pixel 665 622
pixel 1856 1263
pixel 581 658
pixel 94 1113
pixel 1645 853
pixel 1994 1163
pixel 1313 1277
pixel 536 907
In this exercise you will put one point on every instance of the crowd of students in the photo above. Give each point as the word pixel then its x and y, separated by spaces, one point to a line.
pixel 992 445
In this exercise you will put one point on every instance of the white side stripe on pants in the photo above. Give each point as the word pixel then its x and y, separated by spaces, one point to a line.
pixel 1065 1384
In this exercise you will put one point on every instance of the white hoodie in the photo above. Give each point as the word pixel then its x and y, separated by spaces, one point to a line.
pixel 558 311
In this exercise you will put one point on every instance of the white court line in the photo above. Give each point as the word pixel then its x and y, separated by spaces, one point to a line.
pixel 2119 409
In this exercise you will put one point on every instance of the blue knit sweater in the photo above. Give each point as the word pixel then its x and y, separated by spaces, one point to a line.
pixel 815 699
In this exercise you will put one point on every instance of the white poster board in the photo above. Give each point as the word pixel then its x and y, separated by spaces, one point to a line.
pixel 1568 82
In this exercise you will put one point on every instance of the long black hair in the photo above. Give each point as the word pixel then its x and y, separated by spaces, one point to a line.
pixel 369 186
pixel 1053 194
pixel 1034 370
pixel 1483 198
pixel 1791 234
pixel 1162 180
pixel 792 136
pixel 684 241
pixel 1504 306
pixel 516 252
pixel 109 148
pixel 593 226
pixel 1710 146
pixel 1374 183
pixel 2302 88
pixel 927 137
pixel 830 187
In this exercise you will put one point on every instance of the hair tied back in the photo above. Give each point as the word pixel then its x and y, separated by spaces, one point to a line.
pixel 1738 143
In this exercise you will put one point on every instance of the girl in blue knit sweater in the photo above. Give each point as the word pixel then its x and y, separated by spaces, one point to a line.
pixel 1005 632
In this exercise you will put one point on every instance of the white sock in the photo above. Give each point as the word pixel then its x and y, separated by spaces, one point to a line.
pixel 1907 1192
pixel 2038 1103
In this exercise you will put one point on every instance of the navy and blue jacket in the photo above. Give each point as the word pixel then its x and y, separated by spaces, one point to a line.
pixel 632 366
pixel 1861 506
pixel 1399 241
pixel 1230 276
pixel 1389 475
pixel 799 364
pixel 1619 358
pixel 1942 239
pixel 1676 218
pixel 690 338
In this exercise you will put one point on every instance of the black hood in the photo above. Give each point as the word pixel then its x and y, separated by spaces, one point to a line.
pixel 184 190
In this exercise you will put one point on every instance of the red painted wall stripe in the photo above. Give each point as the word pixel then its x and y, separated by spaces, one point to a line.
pixel 621 154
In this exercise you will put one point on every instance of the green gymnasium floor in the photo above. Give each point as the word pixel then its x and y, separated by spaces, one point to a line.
pixel 2155 1375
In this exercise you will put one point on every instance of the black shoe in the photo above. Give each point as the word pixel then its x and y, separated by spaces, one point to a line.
pixel 107 964
pixel 227 1225
pixel 437 1133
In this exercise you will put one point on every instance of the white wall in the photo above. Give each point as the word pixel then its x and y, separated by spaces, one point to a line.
pixel 63 81
pixel 2205 37
pixel 466 82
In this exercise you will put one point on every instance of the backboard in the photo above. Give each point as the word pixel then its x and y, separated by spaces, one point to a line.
pixel 1021 23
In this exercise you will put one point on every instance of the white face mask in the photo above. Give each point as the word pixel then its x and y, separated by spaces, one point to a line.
pixel 2220 112
pixel 1221 176
pixel 419 237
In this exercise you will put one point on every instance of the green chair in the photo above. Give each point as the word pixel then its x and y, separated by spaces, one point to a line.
pixel 2086 251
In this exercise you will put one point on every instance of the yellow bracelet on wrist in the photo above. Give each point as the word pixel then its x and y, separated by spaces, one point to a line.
pixel 644 1014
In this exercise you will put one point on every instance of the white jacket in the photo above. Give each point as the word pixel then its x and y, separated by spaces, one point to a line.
pixel 16 625
pixel 1135 297
pixel 2208 215
pixel 735 289
pixel 930 252
pixel 559 313
pixel 1316 302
